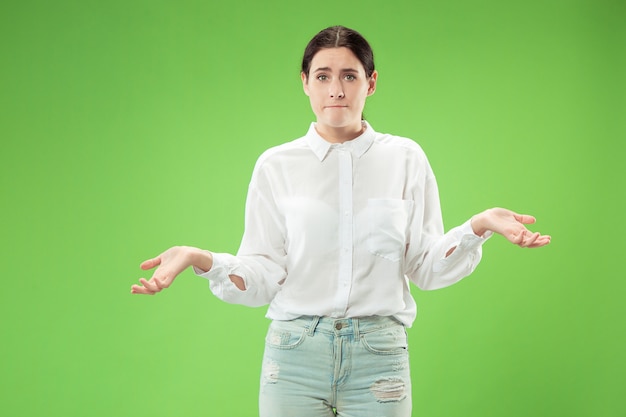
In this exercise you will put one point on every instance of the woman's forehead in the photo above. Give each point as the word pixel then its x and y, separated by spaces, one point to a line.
pixel 340 58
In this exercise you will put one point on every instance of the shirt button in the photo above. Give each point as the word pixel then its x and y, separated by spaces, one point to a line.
pixel 338 326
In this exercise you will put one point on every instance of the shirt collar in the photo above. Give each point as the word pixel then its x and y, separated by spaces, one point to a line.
pixel 358 146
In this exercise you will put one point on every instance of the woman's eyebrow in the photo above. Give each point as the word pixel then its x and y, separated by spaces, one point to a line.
pixel 330 69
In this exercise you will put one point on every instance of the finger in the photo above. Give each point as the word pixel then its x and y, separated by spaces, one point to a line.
pixel 541 241
pixel 529 239
pixel 163 282
pixel 150 263
pixel 525 218
pixel 517 238
pixel 157 283
pixel 149 285
pixel 138 289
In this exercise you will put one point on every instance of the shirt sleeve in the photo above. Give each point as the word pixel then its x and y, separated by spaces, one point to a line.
pixel 426 262
pixel 261 258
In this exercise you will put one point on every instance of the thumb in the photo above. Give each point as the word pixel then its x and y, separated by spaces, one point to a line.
pixel 525 218
pixel 150 263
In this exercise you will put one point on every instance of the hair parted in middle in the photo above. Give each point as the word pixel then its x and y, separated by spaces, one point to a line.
pixel 337 37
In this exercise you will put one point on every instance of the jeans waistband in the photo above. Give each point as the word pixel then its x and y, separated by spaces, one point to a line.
pixel 348 326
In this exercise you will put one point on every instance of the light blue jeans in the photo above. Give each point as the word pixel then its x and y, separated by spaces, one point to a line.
pixel 322 367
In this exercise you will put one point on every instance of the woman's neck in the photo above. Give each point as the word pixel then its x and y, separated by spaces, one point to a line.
pixel 340 134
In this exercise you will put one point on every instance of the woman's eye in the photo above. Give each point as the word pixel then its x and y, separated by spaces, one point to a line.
pixel 350 77
pixel 322 77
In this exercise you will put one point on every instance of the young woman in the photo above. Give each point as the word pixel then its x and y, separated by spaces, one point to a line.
pixel 338 223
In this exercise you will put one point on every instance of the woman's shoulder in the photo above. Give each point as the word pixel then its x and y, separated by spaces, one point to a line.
pixel 400 142
pixel 281 150
pixel 293 145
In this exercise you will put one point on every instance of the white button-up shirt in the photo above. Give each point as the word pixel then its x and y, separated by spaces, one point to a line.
pixel 339 230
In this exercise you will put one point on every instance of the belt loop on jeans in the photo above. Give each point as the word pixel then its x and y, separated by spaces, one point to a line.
pixel 313 325
pixel 355 325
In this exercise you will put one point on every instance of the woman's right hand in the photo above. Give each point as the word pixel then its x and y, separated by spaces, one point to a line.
pixel 169 265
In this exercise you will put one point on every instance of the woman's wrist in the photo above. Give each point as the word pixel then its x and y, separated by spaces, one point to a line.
pixel 479 223
pixel 200 259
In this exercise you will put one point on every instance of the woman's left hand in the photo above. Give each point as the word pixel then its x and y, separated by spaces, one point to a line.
pixel 511 225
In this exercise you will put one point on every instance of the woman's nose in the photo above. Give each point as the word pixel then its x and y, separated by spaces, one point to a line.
pixel 336 90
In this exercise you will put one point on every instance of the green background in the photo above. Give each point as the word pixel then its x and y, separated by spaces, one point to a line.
pixel 131 126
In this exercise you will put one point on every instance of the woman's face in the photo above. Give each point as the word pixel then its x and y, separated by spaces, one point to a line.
pixel 337 88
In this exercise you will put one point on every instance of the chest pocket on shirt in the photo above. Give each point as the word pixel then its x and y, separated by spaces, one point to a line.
pixel 387 223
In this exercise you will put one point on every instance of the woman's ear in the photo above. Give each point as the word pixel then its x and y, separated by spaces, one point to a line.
pixel 372 83
pixel 305 83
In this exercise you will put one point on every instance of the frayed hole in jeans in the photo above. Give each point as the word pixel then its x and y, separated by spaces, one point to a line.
pixel 389 390
pixel 270 372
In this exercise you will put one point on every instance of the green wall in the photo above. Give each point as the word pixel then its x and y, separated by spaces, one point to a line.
pixel 131 126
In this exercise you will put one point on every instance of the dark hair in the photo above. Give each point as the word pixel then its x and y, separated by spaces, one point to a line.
pixel 337 37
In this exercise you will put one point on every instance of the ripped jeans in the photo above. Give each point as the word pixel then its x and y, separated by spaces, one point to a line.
pixel 323 367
